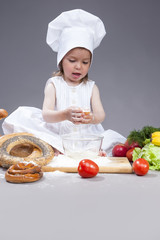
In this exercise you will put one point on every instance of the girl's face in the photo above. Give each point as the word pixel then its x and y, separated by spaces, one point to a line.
pixel 75 65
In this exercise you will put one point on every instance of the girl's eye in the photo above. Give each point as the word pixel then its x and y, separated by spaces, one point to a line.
pixel 85 62
pixel 71 60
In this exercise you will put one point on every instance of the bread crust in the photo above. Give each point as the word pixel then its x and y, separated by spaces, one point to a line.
pixel 43 155
pixel 3 113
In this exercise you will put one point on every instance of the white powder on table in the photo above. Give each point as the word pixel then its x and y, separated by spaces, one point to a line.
pixel 64 161
pixel 1 175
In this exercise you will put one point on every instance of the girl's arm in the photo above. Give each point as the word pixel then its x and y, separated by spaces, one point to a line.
pixel 98 113
pixel 97 107
pixel 49 113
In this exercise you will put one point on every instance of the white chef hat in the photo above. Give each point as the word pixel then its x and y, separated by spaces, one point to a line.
pixel 75 28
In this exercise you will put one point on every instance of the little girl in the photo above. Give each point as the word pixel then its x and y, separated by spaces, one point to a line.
pixel 72 102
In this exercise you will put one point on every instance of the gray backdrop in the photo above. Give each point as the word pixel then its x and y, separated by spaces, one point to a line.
pixel 125 67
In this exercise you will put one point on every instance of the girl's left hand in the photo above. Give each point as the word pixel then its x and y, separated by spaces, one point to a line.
pixel 87 118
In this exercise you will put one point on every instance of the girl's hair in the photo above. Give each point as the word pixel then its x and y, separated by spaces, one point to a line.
pixel 60 72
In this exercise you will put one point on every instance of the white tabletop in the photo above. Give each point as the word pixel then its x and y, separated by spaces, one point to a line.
pixel 66 206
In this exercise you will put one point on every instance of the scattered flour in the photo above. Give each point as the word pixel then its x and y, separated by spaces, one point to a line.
pixel 51 175
pixel 57 179
pixel 1 175
pixel 64 161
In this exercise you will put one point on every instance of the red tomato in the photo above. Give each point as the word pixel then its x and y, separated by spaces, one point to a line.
pixel 140 166
pixel 87 168
pixel 119 150
pixel 132 145
pixel 129 154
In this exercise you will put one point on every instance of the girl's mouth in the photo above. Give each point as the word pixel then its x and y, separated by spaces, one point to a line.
pixel 76 75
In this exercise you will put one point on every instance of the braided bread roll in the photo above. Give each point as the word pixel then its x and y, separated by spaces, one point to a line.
pixel 23 173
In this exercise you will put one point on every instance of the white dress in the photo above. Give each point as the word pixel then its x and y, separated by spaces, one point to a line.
pixel 29 119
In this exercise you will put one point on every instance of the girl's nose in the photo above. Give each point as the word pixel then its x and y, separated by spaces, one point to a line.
pixel 78 65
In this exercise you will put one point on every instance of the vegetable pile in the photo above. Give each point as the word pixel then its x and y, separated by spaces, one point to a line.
pixel 142 144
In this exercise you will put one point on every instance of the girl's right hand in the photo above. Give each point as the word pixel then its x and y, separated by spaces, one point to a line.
pixel 74 114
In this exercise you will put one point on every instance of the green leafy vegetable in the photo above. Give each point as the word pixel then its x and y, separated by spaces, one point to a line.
pixel 151 153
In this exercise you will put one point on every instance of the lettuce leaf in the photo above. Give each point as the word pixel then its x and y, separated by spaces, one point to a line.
pixel 151 153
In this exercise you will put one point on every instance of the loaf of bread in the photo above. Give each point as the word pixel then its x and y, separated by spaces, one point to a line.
pixel 3 113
